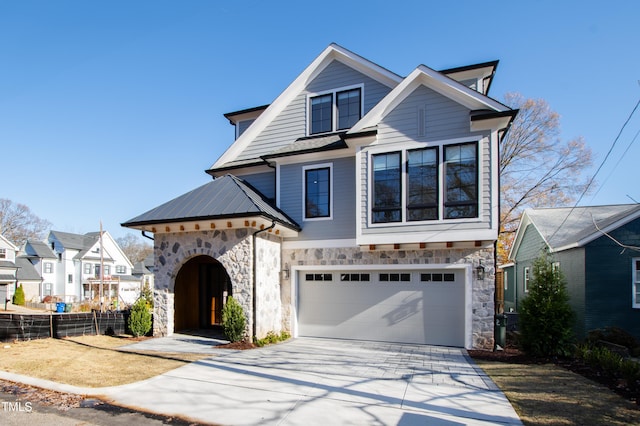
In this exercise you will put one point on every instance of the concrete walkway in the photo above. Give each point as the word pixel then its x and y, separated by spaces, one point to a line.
pixel 309 381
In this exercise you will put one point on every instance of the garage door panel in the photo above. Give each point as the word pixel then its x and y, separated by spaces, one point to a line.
pixel 411 312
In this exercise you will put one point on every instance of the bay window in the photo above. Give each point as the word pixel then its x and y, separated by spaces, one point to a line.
pixel 415 185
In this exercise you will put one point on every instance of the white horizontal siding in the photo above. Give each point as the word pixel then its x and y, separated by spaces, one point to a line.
pixel 291 123
pixel 444 120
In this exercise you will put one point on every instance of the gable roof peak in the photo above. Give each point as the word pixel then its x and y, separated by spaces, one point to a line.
pixel 329 54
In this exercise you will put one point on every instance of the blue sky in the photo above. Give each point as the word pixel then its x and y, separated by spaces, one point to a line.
pixel 110 108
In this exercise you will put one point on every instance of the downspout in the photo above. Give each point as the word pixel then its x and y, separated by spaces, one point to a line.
pixel 146 236
pixel 254 284
pixel 275 182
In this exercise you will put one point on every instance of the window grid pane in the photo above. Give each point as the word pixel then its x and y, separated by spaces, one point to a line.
pixel 422 190
pixel 348 104
pixel 386 188
pixel 321 114
pixel 317 193
pixel 461 181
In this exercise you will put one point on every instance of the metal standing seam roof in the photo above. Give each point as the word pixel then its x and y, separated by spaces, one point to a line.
pixel 225 197
pixel 565 226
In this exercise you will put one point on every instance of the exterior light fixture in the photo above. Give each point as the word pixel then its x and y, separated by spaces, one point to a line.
pixel 480 272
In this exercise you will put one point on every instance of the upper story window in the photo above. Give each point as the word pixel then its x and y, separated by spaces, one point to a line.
pixel 387 188
pixel 3 253
pixel 413 192
pixel 422 185
pixel 336 110
pixel 526 277
pixel 121 269
pixel 317 191
pixel 635 284
pixel 87 268
pixel 461 181
pixel 48 267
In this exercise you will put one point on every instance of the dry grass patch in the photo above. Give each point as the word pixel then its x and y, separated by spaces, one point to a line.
pixel 88 361
pixel 545 394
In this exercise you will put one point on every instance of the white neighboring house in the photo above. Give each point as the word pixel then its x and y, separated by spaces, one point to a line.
pixel 8 269
pixel 43 260
pixel 70 267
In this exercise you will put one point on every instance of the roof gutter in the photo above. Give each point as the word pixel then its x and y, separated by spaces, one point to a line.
pixel 254 283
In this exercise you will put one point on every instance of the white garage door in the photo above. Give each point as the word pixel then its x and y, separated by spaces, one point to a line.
pixel 405 306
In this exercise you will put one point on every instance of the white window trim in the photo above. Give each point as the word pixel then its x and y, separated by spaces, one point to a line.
pixel 304 191
pixel 334 107
pixel 403 148
pixel 635 283
pixel 526 277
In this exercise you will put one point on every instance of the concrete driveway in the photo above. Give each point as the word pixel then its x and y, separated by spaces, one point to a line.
pixel 309 381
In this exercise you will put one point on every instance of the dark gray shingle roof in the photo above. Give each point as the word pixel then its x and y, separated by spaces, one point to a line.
pixel 39 249
pixel 225 197
pixel 26 271
pixel 75 241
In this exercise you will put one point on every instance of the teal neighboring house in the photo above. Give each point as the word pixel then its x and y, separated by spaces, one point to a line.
pixel 598 251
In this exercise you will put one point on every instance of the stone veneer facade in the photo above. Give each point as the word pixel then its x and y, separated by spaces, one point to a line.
pixel 234 250
pixel 482 303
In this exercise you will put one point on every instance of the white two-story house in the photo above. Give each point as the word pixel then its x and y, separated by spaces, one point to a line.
pixel 8 270
pixel 70 267
pixel 359 204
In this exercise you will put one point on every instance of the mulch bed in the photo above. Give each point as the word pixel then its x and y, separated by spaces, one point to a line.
pixel 237 345
pixel 515 356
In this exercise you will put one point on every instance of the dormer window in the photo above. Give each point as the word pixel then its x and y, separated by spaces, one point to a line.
pixel 335 110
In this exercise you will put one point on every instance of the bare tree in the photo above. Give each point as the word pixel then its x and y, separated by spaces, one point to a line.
pixel 537 168
pixel 136 249
pixel 18 223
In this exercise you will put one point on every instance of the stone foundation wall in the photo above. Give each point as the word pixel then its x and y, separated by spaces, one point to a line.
pixel 482 290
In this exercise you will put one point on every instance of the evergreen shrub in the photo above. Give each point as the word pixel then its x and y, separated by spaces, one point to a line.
pixel 233 320
pixel 546 318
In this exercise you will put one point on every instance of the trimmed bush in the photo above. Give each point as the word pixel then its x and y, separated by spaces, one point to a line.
pixel 18 296
pixel 233 321
pixel 139 318
pixel 546 318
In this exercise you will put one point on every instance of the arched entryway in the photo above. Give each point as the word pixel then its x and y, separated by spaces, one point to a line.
pixel 201 288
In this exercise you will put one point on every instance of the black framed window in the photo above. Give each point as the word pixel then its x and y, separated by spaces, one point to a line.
pixel 317 192
pixel 322 113
pixel 348 103
pixel 461 181
pixel 422 184
pixel 387 188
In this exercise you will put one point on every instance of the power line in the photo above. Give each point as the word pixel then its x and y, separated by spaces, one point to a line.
pixel 618 163
pixel 615 141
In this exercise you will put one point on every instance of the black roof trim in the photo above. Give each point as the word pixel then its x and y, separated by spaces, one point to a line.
pixel 258 162
pixel 361 134
pixel 493 64
pixel 245 111
pixel 487 115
